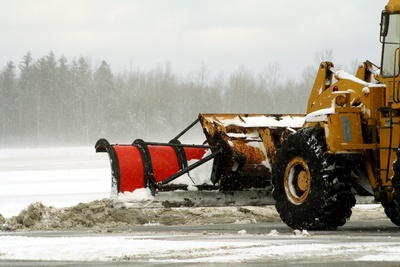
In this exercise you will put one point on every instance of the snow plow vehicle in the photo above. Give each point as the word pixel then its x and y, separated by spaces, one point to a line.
pixel 314 166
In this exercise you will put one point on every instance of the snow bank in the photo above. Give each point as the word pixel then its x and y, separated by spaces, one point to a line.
pixel 101 215
pixel 138 195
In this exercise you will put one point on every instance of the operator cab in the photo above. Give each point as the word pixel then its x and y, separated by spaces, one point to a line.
pixel 390 39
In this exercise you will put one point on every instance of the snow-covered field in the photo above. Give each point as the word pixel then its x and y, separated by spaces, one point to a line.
pixel 63 177
pixel 54 176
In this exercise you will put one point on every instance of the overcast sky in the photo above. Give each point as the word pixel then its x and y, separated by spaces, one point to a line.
pixel 222 34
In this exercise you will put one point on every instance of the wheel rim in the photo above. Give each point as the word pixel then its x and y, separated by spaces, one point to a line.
pixel 297 181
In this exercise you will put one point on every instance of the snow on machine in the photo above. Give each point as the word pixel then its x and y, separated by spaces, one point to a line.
pixel 315 166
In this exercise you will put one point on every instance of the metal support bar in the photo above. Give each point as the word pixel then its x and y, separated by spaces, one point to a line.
pixel 181 155
pixel 103 145
pixel 191 167
pixel 169 144
pixel 150 181
pixel 179 145
pixel 186 129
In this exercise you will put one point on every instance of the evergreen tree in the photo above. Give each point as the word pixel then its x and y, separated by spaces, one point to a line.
pixel 105 98
pixel 9 105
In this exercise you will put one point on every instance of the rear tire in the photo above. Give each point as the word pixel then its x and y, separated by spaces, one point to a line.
pixel 311 191
pixel 392 209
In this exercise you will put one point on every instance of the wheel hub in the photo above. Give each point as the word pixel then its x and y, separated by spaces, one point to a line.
pixel 297 181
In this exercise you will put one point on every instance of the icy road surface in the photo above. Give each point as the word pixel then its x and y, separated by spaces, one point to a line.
pixel 359 243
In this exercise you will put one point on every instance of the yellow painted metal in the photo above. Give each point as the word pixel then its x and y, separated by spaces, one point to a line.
pixel 343 128
pixel 393 6
pixel 389 133
pixel 322 82
pixel 355 119
pixel 351 105
pixel 297 181
pixel 364 71
pixel 362 93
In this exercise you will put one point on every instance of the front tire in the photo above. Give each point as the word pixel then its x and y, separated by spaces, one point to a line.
pixel 310 190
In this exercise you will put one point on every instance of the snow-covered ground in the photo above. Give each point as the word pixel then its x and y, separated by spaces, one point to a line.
pixel 63 177
pixel 54 176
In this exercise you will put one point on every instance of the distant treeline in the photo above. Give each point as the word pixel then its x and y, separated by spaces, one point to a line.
pixel 54 101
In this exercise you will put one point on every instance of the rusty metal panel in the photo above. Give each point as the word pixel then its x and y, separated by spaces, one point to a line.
pixel 250 143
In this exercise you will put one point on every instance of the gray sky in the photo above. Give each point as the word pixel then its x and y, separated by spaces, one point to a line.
pixel 222 34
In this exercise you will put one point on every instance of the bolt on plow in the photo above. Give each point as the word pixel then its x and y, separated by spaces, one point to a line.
pixel 231 168
pixel 313 167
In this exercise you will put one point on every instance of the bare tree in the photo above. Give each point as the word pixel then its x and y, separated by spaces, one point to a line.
pixel 324 55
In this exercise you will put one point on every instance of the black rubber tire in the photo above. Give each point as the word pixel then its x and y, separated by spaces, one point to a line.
pixel 327 202
pixel 392 209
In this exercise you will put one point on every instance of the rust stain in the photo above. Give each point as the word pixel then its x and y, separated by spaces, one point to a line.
pixel 236 129
pixel 253 154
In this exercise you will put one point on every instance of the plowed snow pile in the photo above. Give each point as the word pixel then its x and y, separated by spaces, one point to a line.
pixel 99 215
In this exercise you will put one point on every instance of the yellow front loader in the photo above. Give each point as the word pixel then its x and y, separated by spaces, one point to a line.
pixel 315 165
